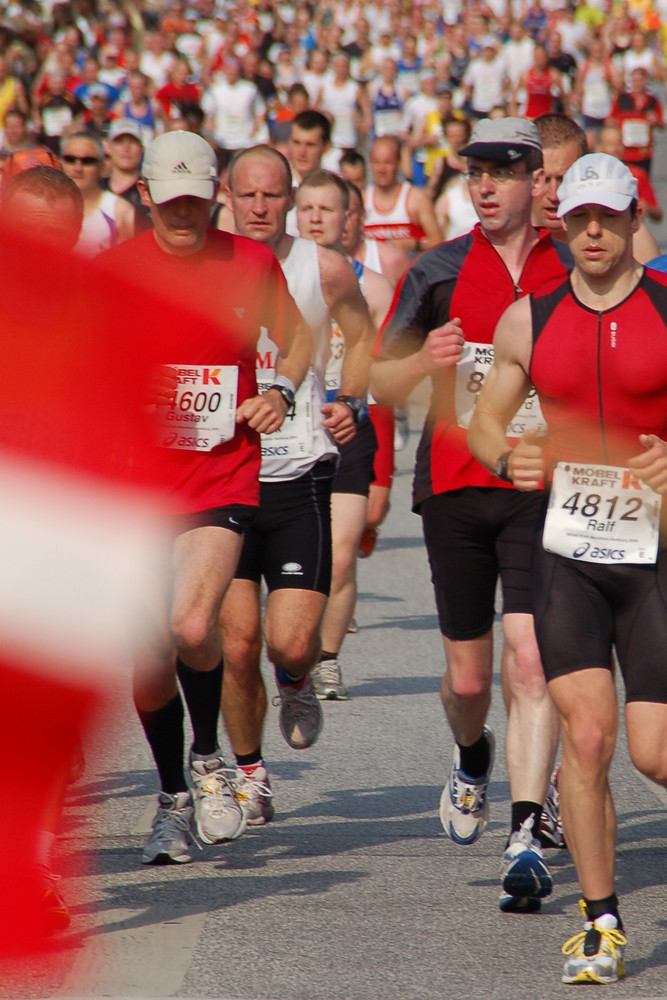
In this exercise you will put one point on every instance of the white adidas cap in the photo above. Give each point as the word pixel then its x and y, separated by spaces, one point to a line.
pixel 179 163
pixel 596 179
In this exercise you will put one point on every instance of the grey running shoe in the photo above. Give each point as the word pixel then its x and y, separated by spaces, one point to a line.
pixel 218 812
pixel 595 955
pixel 254 794
pixel 523 875
pixel 464 807
pixel 328 681
pixel 550 833
pixel 300 714
pixel 401 429
pixel 169 843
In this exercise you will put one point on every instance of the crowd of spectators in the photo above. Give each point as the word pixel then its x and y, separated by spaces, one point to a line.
pixel 238 72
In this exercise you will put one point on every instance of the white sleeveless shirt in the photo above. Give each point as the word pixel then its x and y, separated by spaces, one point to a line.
pixel 302 441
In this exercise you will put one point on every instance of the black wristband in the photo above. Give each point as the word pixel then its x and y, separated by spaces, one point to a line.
pixel 284 391
pixel 354 403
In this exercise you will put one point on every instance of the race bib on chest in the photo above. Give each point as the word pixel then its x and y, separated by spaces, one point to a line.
pixel 203 414
pixel 471 372
pixel 56 120
pixel 601 514
pixel 635 132
pixel 294 438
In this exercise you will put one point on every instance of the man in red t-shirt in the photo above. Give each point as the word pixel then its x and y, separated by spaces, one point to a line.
pixel 217 291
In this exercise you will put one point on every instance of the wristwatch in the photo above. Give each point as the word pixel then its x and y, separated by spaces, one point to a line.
pixel 501 467
pixel 355 404
pixel 285 392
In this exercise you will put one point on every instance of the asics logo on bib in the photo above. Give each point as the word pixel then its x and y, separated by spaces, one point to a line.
pixel 596 553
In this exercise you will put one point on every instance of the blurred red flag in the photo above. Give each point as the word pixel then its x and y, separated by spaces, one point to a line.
pixel 81 519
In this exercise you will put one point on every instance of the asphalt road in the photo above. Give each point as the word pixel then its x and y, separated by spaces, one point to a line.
pixel 353 892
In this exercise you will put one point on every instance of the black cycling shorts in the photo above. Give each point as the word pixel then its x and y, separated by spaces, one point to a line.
pixel 355 468
pixel 473 535
pixel 583 610
pixel 235 516
pixel 289 542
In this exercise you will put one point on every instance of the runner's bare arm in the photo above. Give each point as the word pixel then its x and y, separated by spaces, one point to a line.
pixel 393 380
pixel 348 307
pixel 420 210
pixel 505 388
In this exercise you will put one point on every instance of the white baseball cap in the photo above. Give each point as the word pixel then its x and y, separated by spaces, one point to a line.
pixel 179 163
pixel 596 179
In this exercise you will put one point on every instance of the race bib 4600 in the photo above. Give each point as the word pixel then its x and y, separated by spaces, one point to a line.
pixel 203 414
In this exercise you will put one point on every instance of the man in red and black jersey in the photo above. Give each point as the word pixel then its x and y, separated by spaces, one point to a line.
pixel 476 526
pixel 595 348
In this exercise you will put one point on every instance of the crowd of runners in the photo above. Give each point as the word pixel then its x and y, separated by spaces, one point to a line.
pixel 345 200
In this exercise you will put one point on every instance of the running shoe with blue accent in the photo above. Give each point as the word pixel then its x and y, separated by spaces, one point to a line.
pixel 524 877
pixel 464 806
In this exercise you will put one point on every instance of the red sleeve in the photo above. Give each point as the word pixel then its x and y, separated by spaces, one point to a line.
pixel 382 418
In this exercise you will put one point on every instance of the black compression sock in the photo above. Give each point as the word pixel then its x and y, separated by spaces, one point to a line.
pixel 248 759
pixel 475 759
pixel 596 907
pixel 202 690
pixel 164 732
pixel 521 811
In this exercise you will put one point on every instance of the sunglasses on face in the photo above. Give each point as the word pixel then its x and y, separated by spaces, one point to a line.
pixel 86 161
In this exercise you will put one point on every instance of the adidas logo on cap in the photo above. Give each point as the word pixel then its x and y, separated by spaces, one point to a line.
pixel 181 168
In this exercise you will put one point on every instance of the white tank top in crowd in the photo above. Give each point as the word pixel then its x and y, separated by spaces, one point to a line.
pixel 302 441
pixel 394 224
pixel 462 215
pixel 372 255
pixel 341 103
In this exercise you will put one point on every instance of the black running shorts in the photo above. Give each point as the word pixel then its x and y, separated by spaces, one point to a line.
pixel 289 542
pixel 582 610
pixel 355 468
pixel 235 516
pixel 473 535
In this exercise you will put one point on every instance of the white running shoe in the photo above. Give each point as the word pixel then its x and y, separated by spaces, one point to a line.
pixel 170 841
pixel 464 807
pixel 254 794
pixel 595 955
pixel 218 813
pixel 300 717
pixel 328 681
pixel 524 877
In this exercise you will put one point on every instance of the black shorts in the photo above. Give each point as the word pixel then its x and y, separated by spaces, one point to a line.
pixel 582 610
pixel 289 542
pixel 355 468
pixel 235 516
pixel 472 535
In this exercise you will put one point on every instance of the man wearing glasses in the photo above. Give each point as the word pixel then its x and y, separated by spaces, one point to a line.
pixel 476 526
